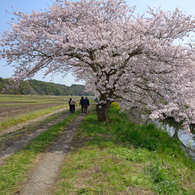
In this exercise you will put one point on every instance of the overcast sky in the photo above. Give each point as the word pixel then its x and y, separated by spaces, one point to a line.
pixel 188 6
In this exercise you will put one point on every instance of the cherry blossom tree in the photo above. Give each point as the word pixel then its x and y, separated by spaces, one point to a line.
pixel 138 61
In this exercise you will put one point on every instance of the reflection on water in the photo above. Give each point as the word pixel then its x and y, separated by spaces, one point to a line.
pixel 172 127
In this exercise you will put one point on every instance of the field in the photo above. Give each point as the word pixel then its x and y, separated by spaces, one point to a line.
pixel 12 105
pixel 26 107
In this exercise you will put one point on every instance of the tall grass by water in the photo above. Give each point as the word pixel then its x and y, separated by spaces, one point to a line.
pixel 122 157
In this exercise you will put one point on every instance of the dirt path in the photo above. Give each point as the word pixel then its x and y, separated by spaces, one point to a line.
pixel 15 145
pixel 42 177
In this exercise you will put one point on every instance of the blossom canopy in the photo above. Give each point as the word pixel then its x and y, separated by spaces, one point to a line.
pixel 138 61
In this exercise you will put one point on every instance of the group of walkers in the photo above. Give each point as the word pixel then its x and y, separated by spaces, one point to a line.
pixel 84 103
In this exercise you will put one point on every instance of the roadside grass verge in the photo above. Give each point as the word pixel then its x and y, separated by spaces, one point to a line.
pixel 28 116
pixel 125 158
pixel 13 172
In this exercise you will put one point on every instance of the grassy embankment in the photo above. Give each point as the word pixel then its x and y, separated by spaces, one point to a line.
pixel 15 168
pixel 125 158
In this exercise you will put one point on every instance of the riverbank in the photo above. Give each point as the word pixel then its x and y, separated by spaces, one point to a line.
pixel 125 158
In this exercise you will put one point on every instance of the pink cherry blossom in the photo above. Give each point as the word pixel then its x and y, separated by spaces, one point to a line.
pixel 138 61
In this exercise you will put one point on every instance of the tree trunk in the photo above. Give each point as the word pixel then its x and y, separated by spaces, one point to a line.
pixel 108 105
pixel 102 113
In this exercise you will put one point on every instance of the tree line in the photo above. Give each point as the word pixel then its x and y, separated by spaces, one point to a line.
pixel 35 87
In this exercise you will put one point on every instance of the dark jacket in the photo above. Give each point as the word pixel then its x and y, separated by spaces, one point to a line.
pixel 86 102
pixel 81 101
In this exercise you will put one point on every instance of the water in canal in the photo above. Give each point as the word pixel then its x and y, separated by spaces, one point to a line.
pixel 172 127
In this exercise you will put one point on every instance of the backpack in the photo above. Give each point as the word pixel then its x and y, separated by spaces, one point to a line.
pixel 72 102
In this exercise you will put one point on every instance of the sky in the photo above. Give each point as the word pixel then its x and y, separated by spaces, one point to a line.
pixel 188 6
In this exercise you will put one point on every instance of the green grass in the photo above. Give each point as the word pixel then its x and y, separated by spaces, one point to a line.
pixel 125 158
pixel 13 172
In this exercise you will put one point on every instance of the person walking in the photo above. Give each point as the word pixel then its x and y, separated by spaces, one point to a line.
pixel 85 104
pixel 70 105
pixel 73 103
pixel 81 103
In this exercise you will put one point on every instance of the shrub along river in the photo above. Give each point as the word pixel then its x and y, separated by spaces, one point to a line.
pixel 173 128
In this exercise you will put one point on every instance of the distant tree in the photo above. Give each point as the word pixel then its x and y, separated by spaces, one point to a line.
pixel 136 60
